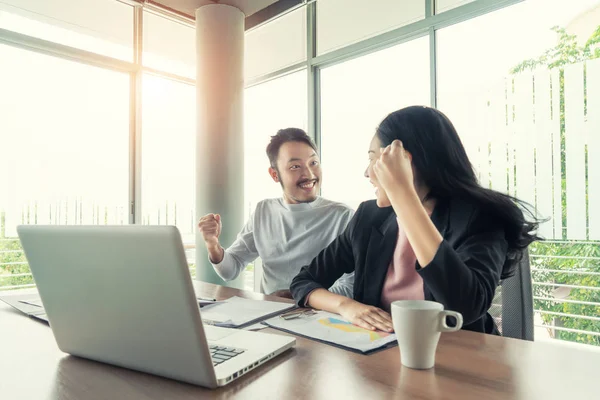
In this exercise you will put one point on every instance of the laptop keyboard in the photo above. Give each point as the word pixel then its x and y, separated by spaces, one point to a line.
pixel 221 354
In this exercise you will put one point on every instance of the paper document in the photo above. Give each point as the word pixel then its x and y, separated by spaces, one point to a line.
pixel 204 302
pixel 333 329
pixel 237 312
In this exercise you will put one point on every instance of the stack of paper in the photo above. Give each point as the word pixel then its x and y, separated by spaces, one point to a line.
pixel 237 312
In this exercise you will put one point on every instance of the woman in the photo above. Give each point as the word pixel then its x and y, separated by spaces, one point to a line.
pixel 444 238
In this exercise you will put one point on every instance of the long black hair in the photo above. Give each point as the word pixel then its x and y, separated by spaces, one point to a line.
pixel 441 164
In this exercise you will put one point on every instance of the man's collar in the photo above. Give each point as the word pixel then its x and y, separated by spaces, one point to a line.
pixel 301 206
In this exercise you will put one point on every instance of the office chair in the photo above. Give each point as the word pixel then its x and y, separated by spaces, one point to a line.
pixel 512 307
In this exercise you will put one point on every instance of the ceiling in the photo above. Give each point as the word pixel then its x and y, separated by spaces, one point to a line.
pixel 188 7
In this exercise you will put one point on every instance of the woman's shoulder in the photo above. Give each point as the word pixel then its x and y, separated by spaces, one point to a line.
pixel 369 212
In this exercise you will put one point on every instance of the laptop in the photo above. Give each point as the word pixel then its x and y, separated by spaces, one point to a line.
pixel 123 295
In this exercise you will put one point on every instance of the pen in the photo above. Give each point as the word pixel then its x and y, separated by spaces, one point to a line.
pixel 205 299
pixel 293 312
pixel 292 316
pixel 297 313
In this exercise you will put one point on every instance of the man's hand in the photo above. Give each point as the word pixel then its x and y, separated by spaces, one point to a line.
pixel 283 293
pixel 210 226
pixel 365 316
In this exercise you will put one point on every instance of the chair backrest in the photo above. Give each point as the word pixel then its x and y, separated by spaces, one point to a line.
pixel 512 307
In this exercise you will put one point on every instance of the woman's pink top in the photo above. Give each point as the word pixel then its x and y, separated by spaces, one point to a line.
pixel 402 281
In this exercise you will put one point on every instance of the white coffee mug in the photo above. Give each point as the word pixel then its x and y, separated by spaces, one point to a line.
pixel 418 324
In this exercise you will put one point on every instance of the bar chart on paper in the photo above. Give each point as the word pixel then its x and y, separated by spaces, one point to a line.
pixel 346 326
pixel 333 329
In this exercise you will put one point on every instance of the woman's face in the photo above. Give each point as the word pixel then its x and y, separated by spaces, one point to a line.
pixel 374 152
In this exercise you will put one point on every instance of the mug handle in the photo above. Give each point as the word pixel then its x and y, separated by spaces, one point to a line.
pixel 444 326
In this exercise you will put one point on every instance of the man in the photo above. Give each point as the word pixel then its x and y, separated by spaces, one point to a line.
pixel 287 232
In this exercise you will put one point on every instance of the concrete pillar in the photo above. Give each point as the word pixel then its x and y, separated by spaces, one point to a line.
pixel 220 136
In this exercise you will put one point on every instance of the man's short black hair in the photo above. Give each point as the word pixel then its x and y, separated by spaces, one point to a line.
pixel 284 136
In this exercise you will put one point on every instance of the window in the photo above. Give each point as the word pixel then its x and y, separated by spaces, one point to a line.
pixel 445 5
pixel 521 86
pixel 510 101
pixel 169 45
pixel 100 26
pixel 343 22
pixel 64 145
pixel 356 96
pixel 168 156
pixel 276 45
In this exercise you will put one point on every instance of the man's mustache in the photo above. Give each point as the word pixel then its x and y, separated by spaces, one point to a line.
pixel 316 180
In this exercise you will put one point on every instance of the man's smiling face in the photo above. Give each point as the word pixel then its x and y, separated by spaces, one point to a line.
pixel 298 171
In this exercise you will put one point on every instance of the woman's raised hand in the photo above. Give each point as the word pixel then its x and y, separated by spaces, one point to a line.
pixel 393 168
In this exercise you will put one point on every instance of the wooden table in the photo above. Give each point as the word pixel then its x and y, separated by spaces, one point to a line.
pixel 468 366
